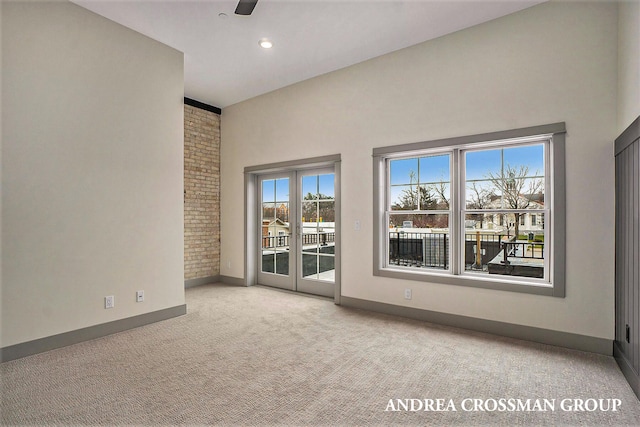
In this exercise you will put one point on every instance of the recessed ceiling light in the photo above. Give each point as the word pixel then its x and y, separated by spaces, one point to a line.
pixel 265 43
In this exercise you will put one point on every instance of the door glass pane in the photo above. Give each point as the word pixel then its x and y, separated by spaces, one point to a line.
pixel 268 261
pixel 326 264
pixel 282 262
pixel 309 266
pixel 310 216
pixel 326 186
pixel 326 213
pixel 268 191
pixel 309 187
pixel 268 211
pixel 309 212
pixel 276 230
pixel 318 227
pixel 282 212
pixel 310 239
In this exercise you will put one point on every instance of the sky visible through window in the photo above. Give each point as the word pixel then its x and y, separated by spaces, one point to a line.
pixel 277 190
pixel 322 184
pixel 479 164
pixel 431 169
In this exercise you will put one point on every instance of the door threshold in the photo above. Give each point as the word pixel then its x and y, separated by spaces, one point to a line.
pixel 288 291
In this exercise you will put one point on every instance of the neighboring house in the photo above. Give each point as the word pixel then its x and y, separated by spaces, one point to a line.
pixel 277 221
pixel 274 227
pixel 275 233
pixel 528 222
pixel 282 211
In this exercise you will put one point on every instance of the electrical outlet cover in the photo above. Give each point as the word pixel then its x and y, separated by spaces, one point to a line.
pixel 109 301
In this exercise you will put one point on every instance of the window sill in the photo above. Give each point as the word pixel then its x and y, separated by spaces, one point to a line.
pixel 521 285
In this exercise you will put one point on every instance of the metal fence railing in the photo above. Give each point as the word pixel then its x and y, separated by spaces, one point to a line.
pixel 480 249
pixel 431 250
pixel 273 242
pixel 522 249
pixel 419 249
pixel 322 238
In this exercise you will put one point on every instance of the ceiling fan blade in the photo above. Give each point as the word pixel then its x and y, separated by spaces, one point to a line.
pixel 245 7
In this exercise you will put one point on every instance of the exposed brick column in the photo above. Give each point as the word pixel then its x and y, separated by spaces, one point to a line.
pixel 202 193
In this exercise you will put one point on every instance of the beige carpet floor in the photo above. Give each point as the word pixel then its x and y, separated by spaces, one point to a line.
pixel 257 356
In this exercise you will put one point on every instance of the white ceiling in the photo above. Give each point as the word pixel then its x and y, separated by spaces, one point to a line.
pixel 224 63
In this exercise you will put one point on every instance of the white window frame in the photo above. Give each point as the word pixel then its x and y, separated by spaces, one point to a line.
pixel 553 283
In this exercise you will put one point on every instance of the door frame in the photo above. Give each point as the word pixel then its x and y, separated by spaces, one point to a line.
pixel 251 211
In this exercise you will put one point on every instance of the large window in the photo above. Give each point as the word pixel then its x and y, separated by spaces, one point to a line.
pixel 484 210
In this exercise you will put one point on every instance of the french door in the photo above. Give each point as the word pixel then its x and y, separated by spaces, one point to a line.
pixel 297 231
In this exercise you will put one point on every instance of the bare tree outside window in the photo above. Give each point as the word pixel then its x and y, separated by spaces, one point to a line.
pixel 448 208
pixel 441 191
pixel 318 207
pixel 478 197
pixel 516 186
pixel 418 197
